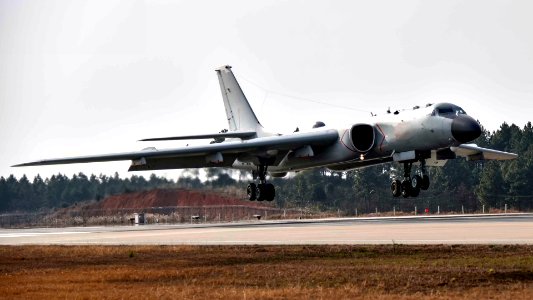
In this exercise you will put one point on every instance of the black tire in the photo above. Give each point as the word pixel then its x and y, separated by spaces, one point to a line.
pixel 251 191
pixel 416 182
pixel 270 192
pixel 396 188
pixel 414 192
pixel 260 192
pixel 424 184
pixel 406 188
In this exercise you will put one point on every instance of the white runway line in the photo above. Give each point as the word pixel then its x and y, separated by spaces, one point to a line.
pixel 29 234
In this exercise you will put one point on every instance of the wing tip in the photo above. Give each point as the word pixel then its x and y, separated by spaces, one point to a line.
pixel 28 164
pixel 20 165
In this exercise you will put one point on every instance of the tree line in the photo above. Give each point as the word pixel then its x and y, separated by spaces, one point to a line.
pixel 62 191
pixel 459 185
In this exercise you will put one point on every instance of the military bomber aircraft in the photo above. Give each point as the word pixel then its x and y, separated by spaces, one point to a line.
pixel 422 136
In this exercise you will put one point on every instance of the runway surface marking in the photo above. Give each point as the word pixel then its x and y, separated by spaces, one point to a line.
pixel 28 234
pixel 500 229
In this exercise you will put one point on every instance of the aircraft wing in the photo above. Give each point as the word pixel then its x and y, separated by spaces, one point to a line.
pixel 474 152
pixel 218 154
pixel 231 134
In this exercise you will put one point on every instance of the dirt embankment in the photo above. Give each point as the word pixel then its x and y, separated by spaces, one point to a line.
pixel 171 198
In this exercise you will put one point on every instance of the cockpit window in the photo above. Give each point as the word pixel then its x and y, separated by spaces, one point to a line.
pixel 447 110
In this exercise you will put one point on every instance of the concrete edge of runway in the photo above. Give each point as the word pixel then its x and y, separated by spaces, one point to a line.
pixel 514 228
pixel 158 226
pixel 329 220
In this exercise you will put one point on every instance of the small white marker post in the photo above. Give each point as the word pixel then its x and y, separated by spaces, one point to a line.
pixel 438 209
pixel 483 208
pixel 415 210
pixel 505 207
pixel 394 210
pixel 356 212
pixel 463 209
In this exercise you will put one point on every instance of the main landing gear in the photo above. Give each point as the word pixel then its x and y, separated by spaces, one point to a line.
pixel 263 190
pixel 411 186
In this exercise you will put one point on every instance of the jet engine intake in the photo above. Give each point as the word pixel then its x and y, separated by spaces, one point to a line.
pixel 362 137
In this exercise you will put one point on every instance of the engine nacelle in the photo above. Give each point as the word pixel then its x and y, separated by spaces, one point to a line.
pixel 362 137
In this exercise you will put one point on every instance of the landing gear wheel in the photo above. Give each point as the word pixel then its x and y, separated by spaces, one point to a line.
pixel 251 191
pixel 416 182
pixel 396 188
pixel 270 191
pixel 415 190
pixel 406 188
pixel 261 192
pixel 424 184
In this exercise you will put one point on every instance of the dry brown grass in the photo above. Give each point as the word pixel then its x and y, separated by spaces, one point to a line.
pixel 271 272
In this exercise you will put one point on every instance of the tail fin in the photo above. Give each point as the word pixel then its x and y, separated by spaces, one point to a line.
pixel 238 111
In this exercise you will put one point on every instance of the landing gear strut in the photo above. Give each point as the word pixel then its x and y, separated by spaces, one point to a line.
pixel 411 186
pixel 262 190
pixel 424 184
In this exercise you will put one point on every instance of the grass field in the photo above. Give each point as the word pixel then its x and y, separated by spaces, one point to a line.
pixel 271 272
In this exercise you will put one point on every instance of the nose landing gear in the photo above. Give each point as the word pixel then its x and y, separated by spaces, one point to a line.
pixel 263 190
pixel 411 186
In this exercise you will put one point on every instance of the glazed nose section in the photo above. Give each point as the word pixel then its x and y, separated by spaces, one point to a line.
pixel 465 129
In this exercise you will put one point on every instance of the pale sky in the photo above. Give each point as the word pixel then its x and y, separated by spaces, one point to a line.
pixel 93 77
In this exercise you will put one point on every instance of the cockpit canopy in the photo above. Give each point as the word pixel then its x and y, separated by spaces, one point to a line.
pixel 447 110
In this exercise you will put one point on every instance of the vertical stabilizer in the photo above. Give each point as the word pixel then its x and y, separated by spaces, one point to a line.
pixel 238 111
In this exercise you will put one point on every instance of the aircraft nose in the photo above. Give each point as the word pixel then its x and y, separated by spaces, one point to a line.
pixel 465 129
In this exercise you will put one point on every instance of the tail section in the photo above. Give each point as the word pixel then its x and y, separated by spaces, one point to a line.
pixel 240 115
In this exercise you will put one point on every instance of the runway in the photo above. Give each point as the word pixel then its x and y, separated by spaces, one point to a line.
pixel 451 229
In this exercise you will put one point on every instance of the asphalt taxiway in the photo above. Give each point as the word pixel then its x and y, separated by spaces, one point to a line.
pixel 449 229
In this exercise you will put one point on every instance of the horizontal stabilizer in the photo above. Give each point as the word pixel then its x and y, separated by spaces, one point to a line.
pixel 474 152
pixel 232 134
